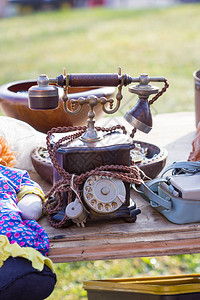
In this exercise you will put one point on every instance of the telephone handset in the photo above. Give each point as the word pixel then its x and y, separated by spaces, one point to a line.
pixel 92 166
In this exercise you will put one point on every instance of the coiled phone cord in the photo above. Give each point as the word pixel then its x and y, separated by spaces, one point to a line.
pixel 130 174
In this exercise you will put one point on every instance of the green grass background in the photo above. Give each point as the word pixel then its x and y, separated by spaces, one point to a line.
pixel 159 42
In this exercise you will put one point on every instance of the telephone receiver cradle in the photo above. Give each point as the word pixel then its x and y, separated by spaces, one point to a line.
pixel 101 195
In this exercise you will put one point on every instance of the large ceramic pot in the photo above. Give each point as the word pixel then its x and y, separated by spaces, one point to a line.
pixel 14 103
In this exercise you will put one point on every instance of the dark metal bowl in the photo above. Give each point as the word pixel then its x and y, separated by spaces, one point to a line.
pixel 152 165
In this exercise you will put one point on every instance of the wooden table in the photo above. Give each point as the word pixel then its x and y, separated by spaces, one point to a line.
pixel 151 234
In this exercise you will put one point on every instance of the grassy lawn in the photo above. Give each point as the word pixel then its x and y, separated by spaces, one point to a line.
pixel 159 42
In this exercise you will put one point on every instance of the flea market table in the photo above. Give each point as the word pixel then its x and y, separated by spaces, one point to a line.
pixel 151 234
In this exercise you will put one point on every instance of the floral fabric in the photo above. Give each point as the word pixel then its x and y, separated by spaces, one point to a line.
pixel 26 233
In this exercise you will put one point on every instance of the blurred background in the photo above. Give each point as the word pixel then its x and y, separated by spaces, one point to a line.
pixel 160 38
pixel 12 7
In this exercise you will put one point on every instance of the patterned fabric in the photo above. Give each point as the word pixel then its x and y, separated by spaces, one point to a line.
pixel 27 233
pixel 14 250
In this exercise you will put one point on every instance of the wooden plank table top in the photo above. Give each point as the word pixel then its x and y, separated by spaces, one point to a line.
pixel 151 234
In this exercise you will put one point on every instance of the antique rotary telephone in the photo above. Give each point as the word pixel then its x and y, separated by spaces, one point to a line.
pixel 92 165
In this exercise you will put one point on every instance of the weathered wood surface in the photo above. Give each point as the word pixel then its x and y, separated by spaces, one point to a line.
pixel 151 234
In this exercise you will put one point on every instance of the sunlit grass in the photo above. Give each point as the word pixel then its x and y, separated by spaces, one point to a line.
pixel 72 275
pixel 160 42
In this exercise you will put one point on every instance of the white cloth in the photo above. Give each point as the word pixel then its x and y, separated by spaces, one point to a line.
pixel 22 138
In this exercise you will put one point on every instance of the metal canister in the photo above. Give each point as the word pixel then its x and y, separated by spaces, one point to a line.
pixel 196 75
